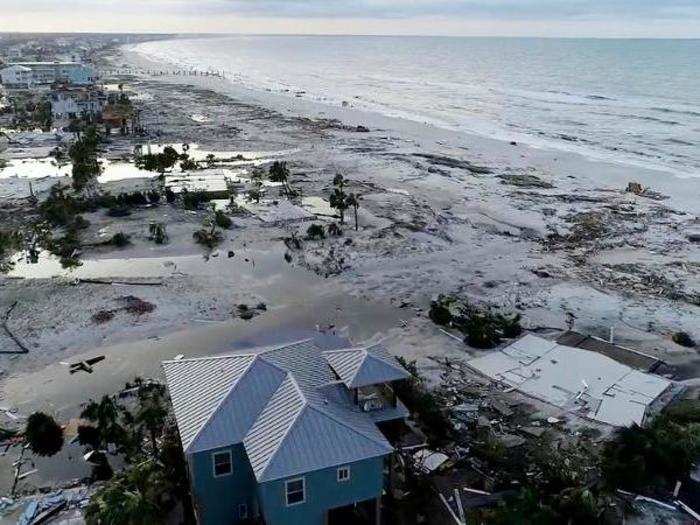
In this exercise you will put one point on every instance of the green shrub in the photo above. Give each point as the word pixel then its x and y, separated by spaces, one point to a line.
pixel 683 339
pixel 120 240
pixel 315 231
pixel 222 220
pixel 192 200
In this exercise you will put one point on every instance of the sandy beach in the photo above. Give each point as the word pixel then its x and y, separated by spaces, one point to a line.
pixel 540 232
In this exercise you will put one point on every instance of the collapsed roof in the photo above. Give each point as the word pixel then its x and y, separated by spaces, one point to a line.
pixel 592 384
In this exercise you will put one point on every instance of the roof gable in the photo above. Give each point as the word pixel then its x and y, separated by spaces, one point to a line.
pixel 198 386
pixel 237 412
pixel 359 367
pixel 316 441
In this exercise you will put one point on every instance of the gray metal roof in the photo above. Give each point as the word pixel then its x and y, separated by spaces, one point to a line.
pixel 198 386
pixel 283 403
pixel 370 365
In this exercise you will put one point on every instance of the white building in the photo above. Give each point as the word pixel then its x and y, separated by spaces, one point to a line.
pixel 29 74
pixel 71 103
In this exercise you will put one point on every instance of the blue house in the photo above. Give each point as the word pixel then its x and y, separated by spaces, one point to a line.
pixel 287 435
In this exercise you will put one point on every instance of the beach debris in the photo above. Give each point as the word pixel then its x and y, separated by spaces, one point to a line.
pixel 636 188
pixel 43 508
pixel 246 312
pixel 429 460
pixel 525 181
pixel 23 349
pixel 86 366
pixel 137 306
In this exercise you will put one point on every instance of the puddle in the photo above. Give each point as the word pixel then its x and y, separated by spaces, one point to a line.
pixel 113 171
pixel 318 206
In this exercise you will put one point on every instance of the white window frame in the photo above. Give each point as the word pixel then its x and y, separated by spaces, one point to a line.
pixel 243 511
pixel 213 463
pixel 343 475
pixel 303 492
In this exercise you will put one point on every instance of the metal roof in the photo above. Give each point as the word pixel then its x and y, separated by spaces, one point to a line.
pixel 590 383
pixel 198 386
pixel 366 366
pixel 282 403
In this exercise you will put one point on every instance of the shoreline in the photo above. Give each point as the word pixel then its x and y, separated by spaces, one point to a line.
pixel 530 231
pixel 609 171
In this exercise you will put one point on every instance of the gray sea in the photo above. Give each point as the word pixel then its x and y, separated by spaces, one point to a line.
pixel 630 101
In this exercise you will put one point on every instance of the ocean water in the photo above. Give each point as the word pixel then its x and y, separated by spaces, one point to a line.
pixel 630 101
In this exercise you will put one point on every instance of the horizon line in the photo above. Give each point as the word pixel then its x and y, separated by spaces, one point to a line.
pixel 387 35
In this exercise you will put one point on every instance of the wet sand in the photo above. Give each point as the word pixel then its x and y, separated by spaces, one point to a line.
pixel 540 232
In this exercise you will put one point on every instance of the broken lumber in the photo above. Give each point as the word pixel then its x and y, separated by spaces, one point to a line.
pixel 6 328
pixel 118 282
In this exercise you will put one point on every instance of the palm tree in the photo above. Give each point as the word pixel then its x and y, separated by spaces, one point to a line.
pixel 353 201
pixel 338 199
pixel 152 412
pixel 132 499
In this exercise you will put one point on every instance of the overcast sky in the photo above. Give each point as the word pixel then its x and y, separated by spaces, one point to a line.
pixel 596 18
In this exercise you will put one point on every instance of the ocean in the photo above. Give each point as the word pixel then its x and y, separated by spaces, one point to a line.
pixel 630 101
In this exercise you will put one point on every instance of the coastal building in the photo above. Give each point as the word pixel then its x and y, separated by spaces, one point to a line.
pixel 287 435
pixel 69 102
pixel 24 75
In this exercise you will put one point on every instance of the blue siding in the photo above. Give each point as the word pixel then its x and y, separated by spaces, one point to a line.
pixel 323 492
pixel 217 499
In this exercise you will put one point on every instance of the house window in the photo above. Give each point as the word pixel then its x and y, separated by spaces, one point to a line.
pixel 343 474
pixel 295 491
pixel 222 463
pixel 243 511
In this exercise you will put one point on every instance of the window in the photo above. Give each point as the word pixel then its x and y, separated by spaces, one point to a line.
pixel 295 491
pixel 243 511
pixel 343 474
pixel 222 463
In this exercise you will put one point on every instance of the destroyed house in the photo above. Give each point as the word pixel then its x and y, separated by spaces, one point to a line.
pixel 286 435
pixel 581 382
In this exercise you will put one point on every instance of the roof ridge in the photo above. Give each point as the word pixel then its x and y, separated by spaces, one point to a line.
pixel 221 402
pixel 285 345
pixel 304 406
pixel 364 359
pixel 208 358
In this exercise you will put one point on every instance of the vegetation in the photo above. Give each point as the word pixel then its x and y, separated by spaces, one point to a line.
pixel 222 220
pixel 44 436
pixel 157 233
pixel 254 195
pixel 683 339
pixel 657 456
pixel 279 172
pixel 192 200
pixel 156 478
pixel 209 236
pixel 120 240
pixel 424 404
pixel 161 162
pixel 10 241
pixel 338 198
pixel 315 231
pixel 83 154
pixel 353 201
pixel 482 327
pixel 334 230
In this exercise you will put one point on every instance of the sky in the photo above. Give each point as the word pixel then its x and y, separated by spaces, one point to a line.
pixel 552 18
